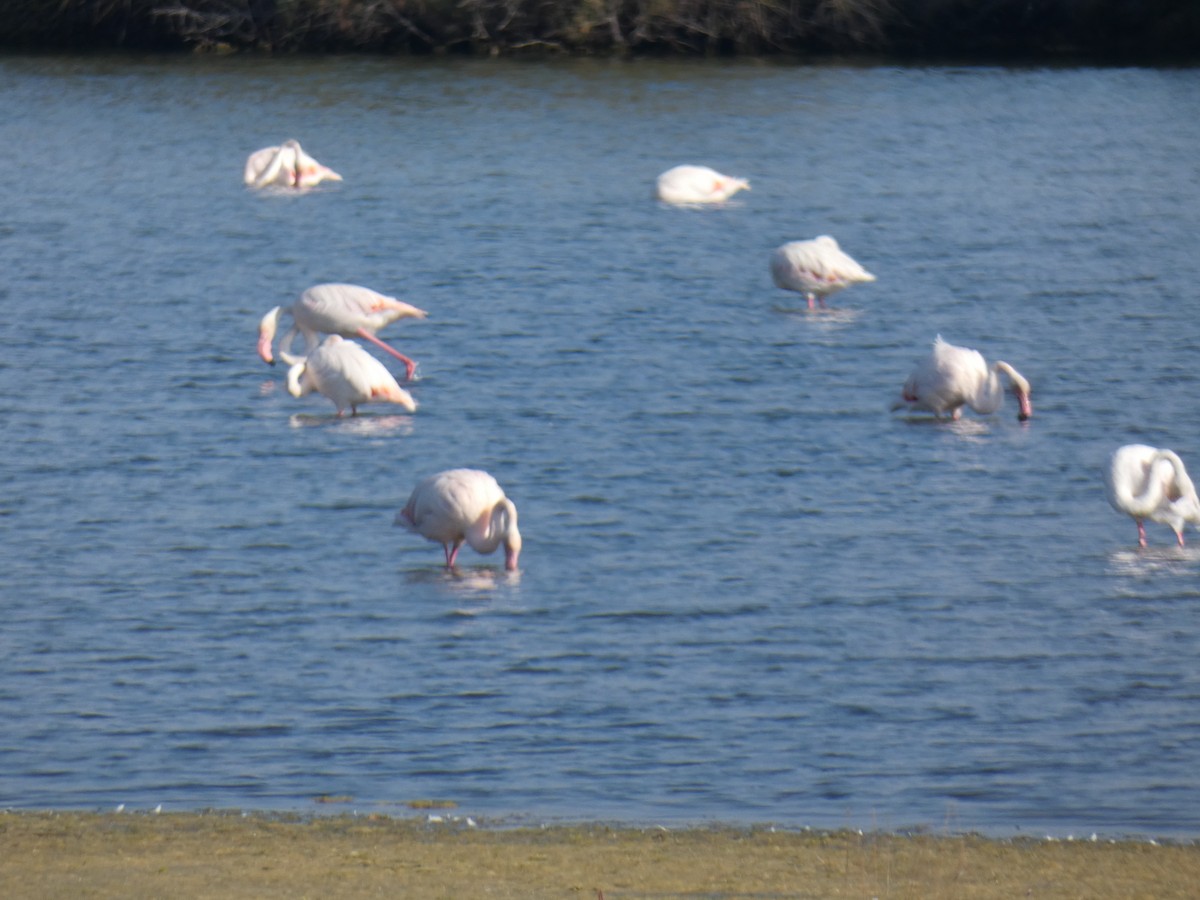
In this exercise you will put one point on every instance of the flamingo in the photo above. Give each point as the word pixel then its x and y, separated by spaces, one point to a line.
pixel 953 376
pixel 285 166
pixel 815 268
pixel 345 309
pixel 463 505
pixel 1149 483
pixel 697 184
pixel 348 375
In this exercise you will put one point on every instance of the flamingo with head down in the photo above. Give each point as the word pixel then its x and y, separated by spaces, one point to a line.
pixel 285 166
pixel 345 309
pixel 951 377
pixel 348 375
pixel 815 268
pixel 463 505
pixel 1149 483
pixel 697 184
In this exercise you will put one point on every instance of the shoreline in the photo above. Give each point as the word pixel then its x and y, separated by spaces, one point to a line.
pixel 255 854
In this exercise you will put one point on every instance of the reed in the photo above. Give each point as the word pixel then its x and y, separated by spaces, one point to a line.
pixel 762 27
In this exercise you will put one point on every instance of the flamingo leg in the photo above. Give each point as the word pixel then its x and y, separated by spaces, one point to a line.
pixel 1179 537
pixel 811 303
pixel 451 553
pixel 410 367
pixel 1141 533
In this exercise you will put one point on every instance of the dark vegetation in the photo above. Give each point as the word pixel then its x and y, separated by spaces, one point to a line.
pixel 961 29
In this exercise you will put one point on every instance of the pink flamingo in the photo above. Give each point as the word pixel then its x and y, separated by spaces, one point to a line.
pixel 815 268
pixel 697 184
pixel 951 377
pixel 463 505
pixel 348 375
pixel 345 309
pixel 1149 483
pixel 285 166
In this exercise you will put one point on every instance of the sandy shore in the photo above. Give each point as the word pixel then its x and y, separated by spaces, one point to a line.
pixel 45 854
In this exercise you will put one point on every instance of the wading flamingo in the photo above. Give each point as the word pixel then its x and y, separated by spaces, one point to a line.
pixel 345 309
pixel 697 184
pixel 463 505
pixel 951 377
pixel 815 268
pixel 1149 483
pixel 285 166
pixel 348 375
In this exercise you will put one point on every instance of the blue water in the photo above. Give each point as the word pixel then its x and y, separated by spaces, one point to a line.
pixel 748 593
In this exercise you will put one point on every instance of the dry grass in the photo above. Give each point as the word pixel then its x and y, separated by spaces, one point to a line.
pixel 1165 27
pixel 229 856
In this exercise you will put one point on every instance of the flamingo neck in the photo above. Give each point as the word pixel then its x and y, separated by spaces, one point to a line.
pixel 498 526
pixel 990 394
pixel 295 385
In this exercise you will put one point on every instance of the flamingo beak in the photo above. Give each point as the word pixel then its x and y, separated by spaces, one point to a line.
pixel 264 349
pixel 1025 407
pixel 266 334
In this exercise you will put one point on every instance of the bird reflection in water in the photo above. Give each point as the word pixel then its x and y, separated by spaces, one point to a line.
pixel 364 424
pixel 1145 562
pixel 475 583
pixel 827 316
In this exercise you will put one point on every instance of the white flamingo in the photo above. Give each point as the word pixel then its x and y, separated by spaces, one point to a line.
pixel 348 375
pixel 951 377
pixel 1149 483
pixel 345 309
pixel 697 184
pixel 815 268
pixel 285 166
pixel 463 505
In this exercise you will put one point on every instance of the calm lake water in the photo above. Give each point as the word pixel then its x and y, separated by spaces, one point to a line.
pixel 749 592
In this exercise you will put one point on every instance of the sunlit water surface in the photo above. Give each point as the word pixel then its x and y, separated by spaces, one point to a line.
pixel 749 592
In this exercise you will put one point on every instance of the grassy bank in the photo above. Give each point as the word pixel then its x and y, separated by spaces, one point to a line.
pixel 44 855
pixel 959 28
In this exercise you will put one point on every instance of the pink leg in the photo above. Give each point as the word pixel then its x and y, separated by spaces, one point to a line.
pixel 1179 537
pixel 1141 533
pixel 811 304
pixel 410 367
pixel 452 553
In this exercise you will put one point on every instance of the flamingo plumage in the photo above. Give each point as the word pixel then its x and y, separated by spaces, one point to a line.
pixel 697 184
pixel 345 309
pixel 348 375
pixel 1151 483
pixel 463 505
pixel 285 166
pixel 951 377
pixel 815 268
